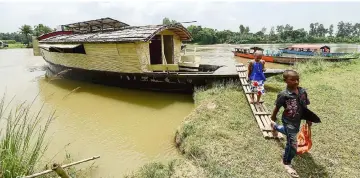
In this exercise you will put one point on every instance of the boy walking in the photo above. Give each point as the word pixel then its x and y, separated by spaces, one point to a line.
pixel 294 99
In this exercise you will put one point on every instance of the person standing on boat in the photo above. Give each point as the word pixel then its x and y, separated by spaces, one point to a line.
pixel 256 76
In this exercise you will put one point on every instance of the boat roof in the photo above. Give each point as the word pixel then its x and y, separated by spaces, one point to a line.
pixel 255 48
pixel 123 34
pixel 95 25
pixel 306 46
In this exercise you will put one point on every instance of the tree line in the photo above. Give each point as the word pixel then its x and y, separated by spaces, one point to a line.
pixel 346 33
pixel 25 32
pixel 318 33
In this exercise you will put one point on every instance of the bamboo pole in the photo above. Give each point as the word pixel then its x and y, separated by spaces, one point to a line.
pixel 162 51
pixel 59 171
pixel 64 166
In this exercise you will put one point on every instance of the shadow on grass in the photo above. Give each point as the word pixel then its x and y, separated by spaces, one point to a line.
pixel 307 167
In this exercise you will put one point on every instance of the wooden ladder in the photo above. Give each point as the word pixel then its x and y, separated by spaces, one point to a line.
pixel 260 112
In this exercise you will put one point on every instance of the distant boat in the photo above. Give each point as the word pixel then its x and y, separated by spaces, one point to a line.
pixel 278 58
pixel 3 44
pixel 310 50
pixel 249 53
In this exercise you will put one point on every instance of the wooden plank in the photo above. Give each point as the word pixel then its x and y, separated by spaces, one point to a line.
pixel 253 109
pixel 248 87
pixel 242 75
pixel 265 108
pixel 245 89
pixel 255 98
pixel 268 119
pixel 260 124
pixel 245 82
pixel 261 113
pixel 266 123
pixel 258 108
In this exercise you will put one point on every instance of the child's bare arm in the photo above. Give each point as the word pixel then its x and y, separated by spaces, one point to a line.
pixel 280 101
pixel 249 69
pixel 273 115
pixel 264 68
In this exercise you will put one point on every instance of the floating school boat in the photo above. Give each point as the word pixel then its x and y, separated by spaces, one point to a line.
pixel 310 50
pixel 277 57
pixel 109 52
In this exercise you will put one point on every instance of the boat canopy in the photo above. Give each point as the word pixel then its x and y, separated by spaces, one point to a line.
pixel 252 48
pixel 305 46
pixel 122 35
pixel 103 24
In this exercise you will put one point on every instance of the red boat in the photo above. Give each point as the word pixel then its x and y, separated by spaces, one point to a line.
pixel 249 53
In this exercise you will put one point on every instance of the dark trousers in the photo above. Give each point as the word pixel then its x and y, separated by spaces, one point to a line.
pixel 290 130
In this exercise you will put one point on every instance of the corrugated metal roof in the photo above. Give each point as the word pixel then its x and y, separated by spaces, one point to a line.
pixel 124 34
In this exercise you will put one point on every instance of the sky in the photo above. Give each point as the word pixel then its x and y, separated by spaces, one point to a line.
pixel 221 15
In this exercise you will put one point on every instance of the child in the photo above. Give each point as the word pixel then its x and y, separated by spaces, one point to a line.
pixel 294 99
pixel 256 76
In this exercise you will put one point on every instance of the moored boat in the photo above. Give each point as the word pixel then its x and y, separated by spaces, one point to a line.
pixel 249 53
pixel 279 58
pixel 109 52
pixel 310 50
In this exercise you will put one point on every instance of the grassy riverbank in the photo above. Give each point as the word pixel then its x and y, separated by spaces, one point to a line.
pixel 220 138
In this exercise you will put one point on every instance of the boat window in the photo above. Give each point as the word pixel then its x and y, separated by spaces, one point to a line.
pixel 65 49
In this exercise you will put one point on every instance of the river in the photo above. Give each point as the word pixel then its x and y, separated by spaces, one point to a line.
pixel 127 128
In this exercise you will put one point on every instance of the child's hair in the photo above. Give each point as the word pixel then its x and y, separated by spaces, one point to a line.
pixel 288 72
pixel 258 54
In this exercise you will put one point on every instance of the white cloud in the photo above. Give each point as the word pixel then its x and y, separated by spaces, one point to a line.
pixel 214 14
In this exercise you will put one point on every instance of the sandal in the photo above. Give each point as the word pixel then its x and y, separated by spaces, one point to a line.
pixel 290 170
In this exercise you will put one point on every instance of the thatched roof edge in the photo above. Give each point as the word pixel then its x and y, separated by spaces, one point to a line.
pixel 124 35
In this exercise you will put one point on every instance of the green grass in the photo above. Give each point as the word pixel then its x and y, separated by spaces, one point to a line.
pixel 220 138
pixel 22 142
pixel 16 45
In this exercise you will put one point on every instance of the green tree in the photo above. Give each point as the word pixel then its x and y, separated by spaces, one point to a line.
pixel 242 29
pixel 331 30
pixel 26 30
pixel 41 29
pixel 167 21
pixel 321 31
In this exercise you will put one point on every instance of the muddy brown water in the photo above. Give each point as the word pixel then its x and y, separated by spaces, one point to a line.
pixel 127 128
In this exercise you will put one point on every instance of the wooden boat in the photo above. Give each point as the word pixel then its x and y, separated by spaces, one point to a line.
pixel 109 52
pixel 310 50
pixel 279 58
pixel 3 44
pixel 249 53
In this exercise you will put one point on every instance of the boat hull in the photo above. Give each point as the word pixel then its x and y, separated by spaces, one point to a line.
pixel 182 82
pixel 251 56
pixel 293 60
pixel 309 53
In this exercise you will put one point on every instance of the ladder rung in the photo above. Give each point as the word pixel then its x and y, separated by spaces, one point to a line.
pixel 262 113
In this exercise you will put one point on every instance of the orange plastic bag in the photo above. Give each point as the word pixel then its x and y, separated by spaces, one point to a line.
pixel 304 139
